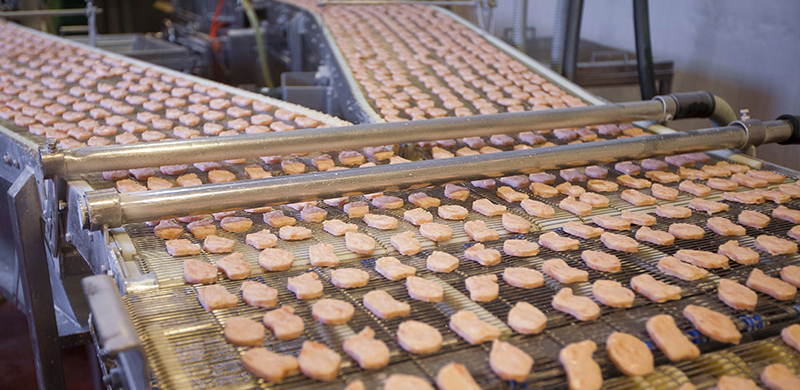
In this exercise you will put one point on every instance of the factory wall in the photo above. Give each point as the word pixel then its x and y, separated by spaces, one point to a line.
pixel 746 51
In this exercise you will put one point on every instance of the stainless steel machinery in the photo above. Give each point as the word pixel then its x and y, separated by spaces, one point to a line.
pixel 79 205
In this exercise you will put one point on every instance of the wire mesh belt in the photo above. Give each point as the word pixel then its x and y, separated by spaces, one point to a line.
pixel 187 348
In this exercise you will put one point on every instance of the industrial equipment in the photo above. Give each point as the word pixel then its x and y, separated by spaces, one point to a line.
pixel 89 180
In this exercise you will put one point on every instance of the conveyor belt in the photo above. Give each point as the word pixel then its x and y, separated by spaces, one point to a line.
pixel 746 360
pixel 186 348
pixel 18 65
pixel 27 53
pixel 185 342
pixel 430 65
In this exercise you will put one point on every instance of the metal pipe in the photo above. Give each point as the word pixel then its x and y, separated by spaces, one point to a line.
pixel 572 39
pixel 477 6
pixel 92 16
pixel 519 23
pixel 49 13
pixel 491 17
pixel 261 49
pixel 777 133
pixel 107 158
pixel 559 34
pixel 107 207
pixel 644 49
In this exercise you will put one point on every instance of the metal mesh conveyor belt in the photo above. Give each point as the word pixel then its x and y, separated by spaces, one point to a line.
pixel 746 360
pixel 187 348
pixel 23 70
pixel 430 50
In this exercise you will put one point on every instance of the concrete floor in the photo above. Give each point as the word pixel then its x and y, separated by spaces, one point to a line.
pixel 16 357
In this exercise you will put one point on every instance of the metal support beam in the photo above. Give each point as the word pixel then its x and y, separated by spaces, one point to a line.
pixel 116 335
pixel 90 12
pixel 148 154
pixel 107 207
pixel 572 39
pixel 519 24
pixel 26 222
pixel 644 49
pixel 50 13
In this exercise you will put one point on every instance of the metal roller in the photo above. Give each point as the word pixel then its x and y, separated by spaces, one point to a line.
pixel 109 208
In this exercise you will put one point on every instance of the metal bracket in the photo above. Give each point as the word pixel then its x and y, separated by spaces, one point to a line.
pixel 140 283
pixel 34 272
pixel 93 246
pixel 115 334
pixel 52 161
pixel 670 105
pixel 107 199
pixel 90 11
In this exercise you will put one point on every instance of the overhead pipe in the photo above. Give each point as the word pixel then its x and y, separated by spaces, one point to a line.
pixel 559 35
pixel 572 39
pixel 520 23
pixel 644 50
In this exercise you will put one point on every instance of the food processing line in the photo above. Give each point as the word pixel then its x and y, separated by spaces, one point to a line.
pixel 66 220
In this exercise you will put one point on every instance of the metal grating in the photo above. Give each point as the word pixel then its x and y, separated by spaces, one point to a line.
pixel 173 314
pixel 746 360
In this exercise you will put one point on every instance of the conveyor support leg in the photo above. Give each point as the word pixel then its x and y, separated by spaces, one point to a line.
pixel 34 273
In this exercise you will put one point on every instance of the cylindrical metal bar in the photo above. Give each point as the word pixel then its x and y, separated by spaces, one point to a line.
pixel 778 131
pixel 559 36
pixel 519 23
pixel 572 39
pixel 477 5
pixel 644 50
pixel 108 208
pixel 490 29
pixel 92 16
pixel 47 13
pixel 107 158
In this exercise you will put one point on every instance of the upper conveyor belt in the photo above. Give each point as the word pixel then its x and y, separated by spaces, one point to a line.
pixel 416 62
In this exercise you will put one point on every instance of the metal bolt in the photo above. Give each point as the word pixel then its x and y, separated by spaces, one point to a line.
pixel 68 237
pixel 62 205
pixel 745 114
pixel 7 159
pixel 51 144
